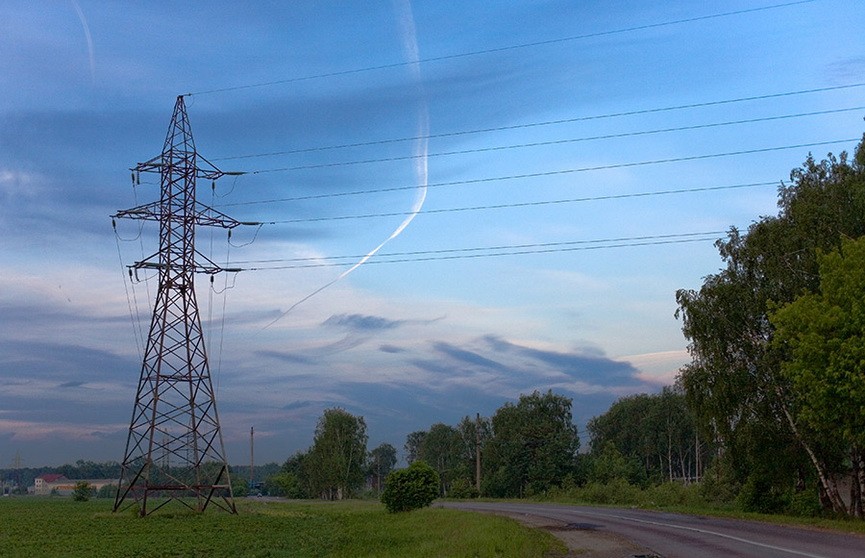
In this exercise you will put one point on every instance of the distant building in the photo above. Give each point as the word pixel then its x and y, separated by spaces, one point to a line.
pixel 53 483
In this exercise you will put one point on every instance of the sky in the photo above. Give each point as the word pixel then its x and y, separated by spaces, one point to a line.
pixel 487 199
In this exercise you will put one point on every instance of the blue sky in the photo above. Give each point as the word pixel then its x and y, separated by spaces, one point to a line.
pixel 87 92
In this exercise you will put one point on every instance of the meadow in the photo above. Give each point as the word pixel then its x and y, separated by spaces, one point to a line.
pixel 33 527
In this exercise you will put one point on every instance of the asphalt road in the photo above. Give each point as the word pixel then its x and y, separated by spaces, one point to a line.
pixel 670 535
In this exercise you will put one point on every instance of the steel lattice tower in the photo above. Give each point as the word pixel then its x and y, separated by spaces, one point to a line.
pixel 174 451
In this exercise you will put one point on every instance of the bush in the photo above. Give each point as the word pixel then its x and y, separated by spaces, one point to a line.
pixel 616 492
pixel 107 491
pixel 718 485
pixel 462 488
pixel 758 495
pixel 673 494
pixel 82 491
pixel 805 504
pixel 410 489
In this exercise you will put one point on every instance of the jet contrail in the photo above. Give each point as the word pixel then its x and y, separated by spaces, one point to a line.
pixel 421 146
pixel 89 39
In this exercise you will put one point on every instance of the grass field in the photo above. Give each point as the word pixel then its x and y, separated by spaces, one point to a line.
pixel 32 527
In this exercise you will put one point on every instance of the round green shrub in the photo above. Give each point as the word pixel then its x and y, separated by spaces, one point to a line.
pixel 409 489
pixel 463 489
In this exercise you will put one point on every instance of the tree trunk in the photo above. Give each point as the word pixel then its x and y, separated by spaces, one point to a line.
pixel 669 454
pixel 829 485
pixel 857 485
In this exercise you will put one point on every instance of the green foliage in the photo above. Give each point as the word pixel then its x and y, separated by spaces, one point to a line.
pixel 82 492
pixel 462 488
pixel 239 487
pixel 744 397
pixel 805 503
pixel 533 447
pixel 616 492
pixel 451 451
pixel 823 335
pixel 334 467
pixel 412 488
pixel 441 450
pixel 758 495
pixel 414 446
pixel 609 464
pixel 656 433
pixel 673 495
pixel 382 460
pixel 107 491
pixel 261 529
pixel 718 485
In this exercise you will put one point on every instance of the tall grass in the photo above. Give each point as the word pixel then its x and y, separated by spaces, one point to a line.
pixel 34 527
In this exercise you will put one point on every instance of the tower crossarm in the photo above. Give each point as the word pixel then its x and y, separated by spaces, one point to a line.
pixel 203 168
pixel 204 215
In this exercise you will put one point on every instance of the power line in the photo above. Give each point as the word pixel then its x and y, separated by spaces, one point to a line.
pixel 498 251
pixel 485 248
pixel 559 141
pixel 502 49
pixel 547 122
pixel 546 173
pixel 526 204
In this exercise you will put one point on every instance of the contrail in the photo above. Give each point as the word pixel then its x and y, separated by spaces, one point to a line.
pixel 87 36
pixel 421 146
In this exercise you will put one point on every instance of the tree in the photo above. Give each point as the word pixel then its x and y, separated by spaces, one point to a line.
pixel 658 431
pixel 412 488
pixel 533 447
pixel 440 450
pixel 382 460
pixel 335 464
pixel 608 464
pixel 473 435
pixel 291 480
pixel 822 335
pixel 82 492
pixel 413 445
pixel 734 383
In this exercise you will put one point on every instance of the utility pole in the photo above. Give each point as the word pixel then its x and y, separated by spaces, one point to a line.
pixel 174 450
pixel 16 465
pixel 251 457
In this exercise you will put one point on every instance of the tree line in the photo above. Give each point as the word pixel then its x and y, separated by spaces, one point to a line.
pixel 526 448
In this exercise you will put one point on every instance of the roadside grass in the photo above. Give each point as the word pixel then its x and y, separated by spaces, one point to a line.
pixel 33 527
pixel 678 498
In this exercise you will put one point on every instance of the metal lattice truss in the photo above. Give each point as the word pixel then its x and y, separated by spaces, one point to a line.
pixel 174 451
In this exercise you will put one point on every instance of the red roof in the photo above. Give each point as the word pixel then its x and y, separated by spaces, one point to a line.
pixel 51 477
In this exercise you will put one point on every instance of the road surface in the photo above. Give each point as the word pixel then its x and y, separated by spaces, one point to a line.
pixel 608 532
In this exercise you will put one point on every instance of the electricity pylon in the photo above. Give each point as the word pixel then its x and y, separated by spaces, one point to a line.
pixel 174 451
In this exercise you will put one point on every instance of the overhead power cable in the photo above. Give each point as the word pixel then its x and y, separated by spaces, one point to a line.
pixel 494 251
pixel 547 173
pixel 545 123
pixel 504 48
pixel 557 142
pixel 526 204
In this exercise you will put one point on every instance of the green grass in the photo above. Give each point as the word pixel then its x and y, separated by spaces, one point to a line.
pixel 32 527
pixel 687 500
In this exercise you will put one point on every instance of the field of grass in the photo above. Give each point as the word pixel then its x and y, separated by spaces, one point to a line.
pixel 31 527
